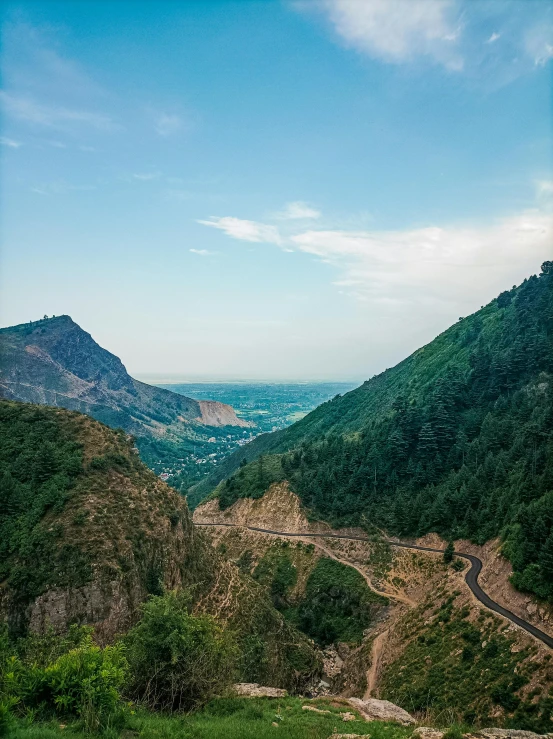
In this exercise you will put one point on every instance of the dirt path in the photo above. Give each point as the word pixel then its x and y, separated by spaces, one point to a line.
pixel 372 672
pixel 471 577
pixel 392 594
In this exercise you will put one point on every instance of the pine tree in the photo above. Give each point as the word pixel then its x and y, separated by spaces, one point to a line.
pixel 45 463
pixel 546 560
pixel 449 551
pixel 427 446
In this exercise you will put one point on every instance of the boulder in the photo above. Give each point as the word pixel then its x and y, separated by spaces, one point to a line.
pixel 253 690
pixel 314 709
pixel 427 732
pixel 377 710
pixel 506 734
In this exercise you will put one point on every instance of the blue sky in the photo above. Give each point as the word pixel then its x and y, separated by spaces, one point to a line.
pixel 272 189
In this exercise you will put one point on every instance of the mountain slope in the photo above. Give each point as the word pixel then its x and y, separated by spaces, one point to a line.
pixel 55 362
pixel 457 439
pixel 87 532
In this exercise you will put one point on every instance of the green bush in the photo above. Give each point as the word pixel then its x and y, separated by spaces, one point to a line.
pixel 87 682
pixel 84 682
pixel 178 661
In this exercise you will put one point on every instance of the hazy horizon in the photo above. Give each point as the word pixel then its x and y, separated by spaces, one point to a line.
pixel 177 379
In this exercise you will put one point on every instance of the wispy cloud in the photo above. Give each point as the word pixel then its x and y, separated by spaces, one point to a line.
pixel 493 38
pixel 298 210
pixel 538 43
pixel 544 192
pixel 52 116
pixel 167 124
pixel 424 266
pixel 146 176
pixel 11 143
pixel 243 230
pixel 202 252
pixel 42 88
pixel 434 264
pixel 60 188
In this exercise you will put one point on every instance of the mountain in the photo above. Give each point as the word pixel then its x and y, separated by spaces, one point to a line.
pixel 457 439
pixel 54 362
pixel 88 532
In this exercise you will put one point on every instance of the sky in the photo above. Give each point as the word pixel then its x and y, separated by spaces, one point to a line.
pixel 272 189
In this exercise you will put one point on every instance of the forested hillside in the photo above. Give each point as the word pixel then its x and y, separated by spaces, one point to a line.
pixel 88 534
pixel 457 439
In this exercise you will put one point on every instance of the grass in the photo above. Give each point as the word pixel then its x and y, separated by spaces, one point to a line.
pixel 234 718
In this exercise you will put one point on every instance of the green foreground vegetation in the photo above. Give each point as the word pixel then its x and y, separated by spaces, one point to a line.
pixel 457 439
pixel 227 718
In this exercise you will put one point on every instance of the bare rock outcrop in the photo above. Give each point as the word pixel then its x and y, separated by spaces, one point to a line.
pixel 253 690
pixel 427 732
pixel 214 413
pixel 373 709
pixel 279 510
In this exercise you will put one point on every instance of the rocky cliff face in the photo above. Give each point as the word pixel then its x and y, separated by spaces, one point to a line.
pixel 214 413
pixel 55 362
pixel 117 535
pixel 279 509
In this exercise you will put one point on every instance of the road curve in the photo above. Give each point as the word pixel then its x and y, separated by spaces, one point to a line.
pixel 471 578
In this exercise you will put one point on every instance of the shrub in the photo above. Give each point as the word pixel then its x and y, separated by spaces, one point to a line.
pixel 84 682
pixel 87 682
pixel 178 661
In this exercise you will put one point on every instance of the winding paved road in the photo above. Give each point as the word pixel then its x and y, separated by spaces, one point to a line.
pixel 471 578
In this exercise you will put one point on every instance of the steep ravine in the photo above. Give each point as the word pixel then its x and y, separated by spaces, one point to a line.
pixel 418 585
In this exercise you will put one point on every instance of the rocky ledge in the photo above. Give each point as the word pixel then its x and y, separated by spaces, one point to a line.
pixel 426 732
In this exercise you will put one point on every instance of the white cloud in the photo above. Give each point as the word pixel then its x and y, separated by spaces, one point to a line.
pixel 244 230
pixel 434 265
pixel 202 252
pixel 493 38
pixel 298 210
pixel 4 141
pixel 56 117
pixel 60 188
pixel 167 124
pixel 397 30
